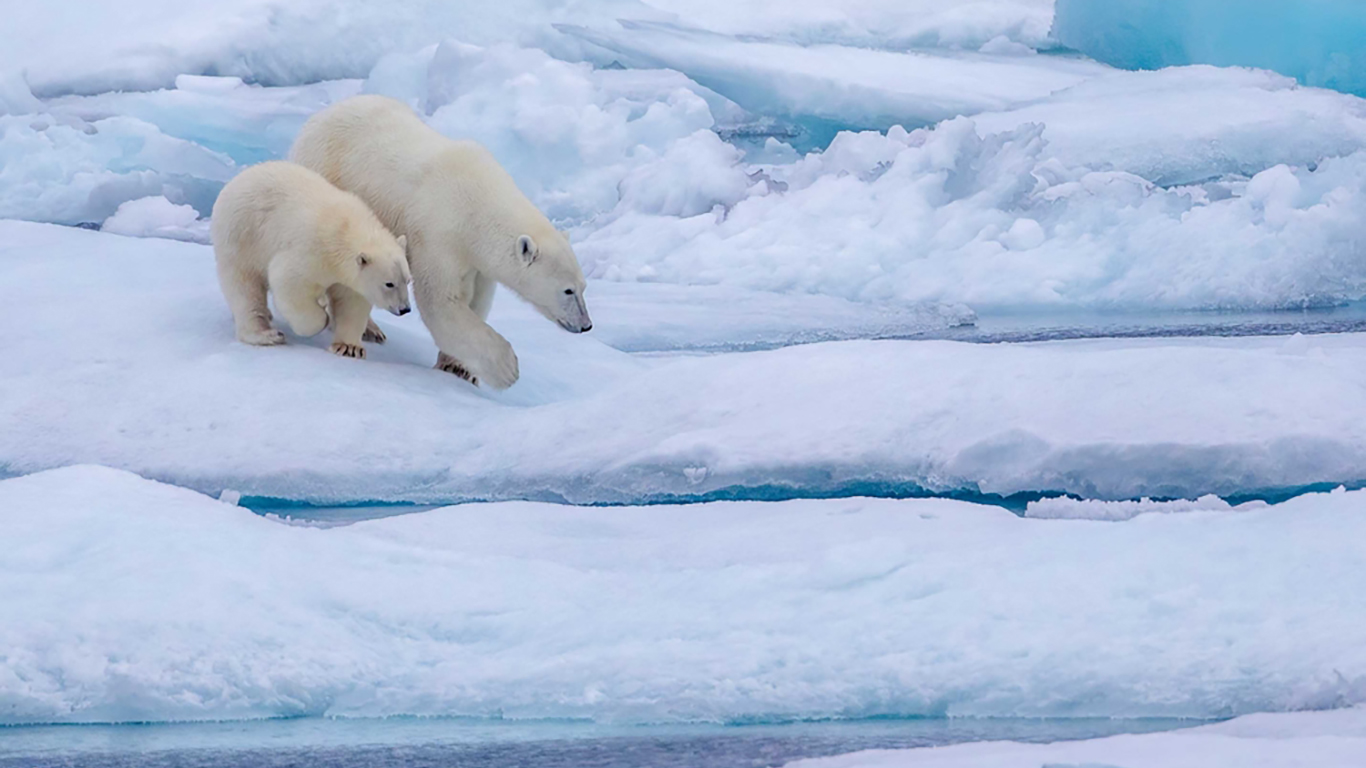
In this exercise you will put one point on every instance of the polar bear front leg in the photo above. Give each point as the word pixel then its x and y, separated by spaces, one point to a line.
pixel 298 302
pixel 373 333
pixel 467 343
pixel 350 313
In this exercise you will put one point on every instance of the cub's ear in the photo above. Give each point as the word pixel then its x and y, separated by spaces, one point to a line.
pixel 526 248
pixel 403 242
pixel 363 261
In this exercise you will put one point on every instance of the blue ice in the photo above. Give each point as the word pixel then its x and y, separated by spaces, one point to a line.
pixel 1319 42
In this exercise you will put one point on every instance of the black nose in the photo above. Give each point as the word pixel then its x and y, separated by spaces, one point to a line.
pixel 404 311
pixel 586 328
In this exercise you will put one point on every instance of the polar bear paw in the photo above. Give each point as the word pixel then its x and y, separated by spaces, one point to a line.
pixel 499 367
pixel 445 362
pixel 343 349
pixel 373 334
pixel 267 338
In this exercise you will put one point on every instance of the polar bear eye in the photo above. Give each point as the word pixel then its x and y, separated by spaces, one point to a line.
pixel 569 291
pixel 388 285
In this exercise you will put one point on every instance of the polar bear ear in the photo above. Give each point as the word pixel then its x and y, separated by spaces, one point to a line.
pixel 403 243
pixel 526 248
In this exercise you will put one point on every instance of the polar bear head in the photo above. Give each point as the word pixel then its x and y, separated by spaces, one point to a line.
pixel 382 274
pixel 551 279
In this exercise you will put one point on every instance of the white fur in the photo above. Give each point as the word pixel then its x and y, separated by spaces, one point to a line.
pixel 468 227
pixel 282 228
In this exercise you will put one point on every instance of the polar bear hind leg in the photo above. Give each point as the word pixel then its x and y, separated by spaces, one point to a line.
pixel 246 295
pixel 298 301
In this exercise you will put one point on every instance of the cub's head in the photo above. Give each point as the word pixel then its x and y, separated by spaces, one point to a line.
pixel 552 280
pixel 383 276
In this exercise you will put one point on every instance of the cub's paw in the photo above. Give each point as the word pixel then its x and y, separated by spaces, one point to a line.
pixel 373 334
pixel 445 362
pixel 267 338
pixel 348 350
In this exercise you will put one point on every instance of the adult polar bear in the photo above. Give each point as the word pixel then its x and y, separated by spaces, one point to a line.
pixel 467 224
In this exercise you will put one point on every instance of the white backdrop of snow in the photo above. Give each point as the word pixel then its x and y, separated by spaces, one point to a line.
pixel 69 46
pixel 127 359
pixel 131 600
pixel 1050 205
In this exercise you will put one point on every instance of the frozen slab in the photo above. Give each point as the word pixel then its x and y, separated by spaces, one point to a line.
pixel 1315 41
pixel 571 135
pixel 1335 739
pixel 157 217
pixel 657 317
pixel 67 46
pixel 127 358
pixel 128 600
pixel 1188 125
pixel 248 123
pixel 956 24
pixel 1000 222
pixel 846 86
pixel 67 170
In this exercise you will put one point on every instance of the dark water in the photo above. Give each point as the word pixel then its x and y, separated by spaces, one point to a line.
pixel 419 743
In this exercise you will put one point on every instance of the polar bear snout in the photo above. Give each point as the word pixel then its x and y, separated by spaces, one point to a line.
pixel 573 314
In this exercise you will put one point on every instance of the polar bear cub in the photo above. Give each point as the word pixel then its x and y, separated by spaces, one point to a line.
pixel 468 226
pixel 281 228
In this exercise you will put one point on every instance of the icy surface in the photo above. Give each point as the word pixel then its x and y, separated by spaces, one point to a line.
pixel 1317 41
pixel 845 86
pixel 1064 508
pixel 67 46
pixel 127 359
pixel 1191 124
pixel 157 217
pixel 67 170
pixel 571 135
pixel 1190 188
pixel 1334 739
pixel 248 123
pixel 130 600
pixel 954 24
pixel 999 222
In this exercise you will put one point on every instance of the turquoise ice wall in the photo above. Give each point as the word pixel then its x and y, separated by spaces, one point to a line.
pixel 1318 42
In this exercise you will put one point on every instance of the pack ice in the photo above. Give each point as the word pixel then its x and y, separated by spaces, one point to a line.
pixel 127 359
pixel 128 600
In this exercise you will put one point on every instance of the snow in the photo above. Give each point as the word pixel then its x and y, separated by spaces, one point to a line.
pixel 67 170
pixel 847 86
pixel 157 217
pixel 1065 508
pixel 1187 125
pixel 1299 740
pixel 128 360
pixel 572 135
pixel 1316 41
pixel 1079 188
pixel 66 46
pixel 998 222
pixel 131 600
pixel 247 123
pixel 952 24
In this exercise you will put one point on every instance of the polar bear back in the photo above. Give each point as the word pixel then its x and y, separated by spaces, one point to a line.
pixel 415 179
pixel 280 209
